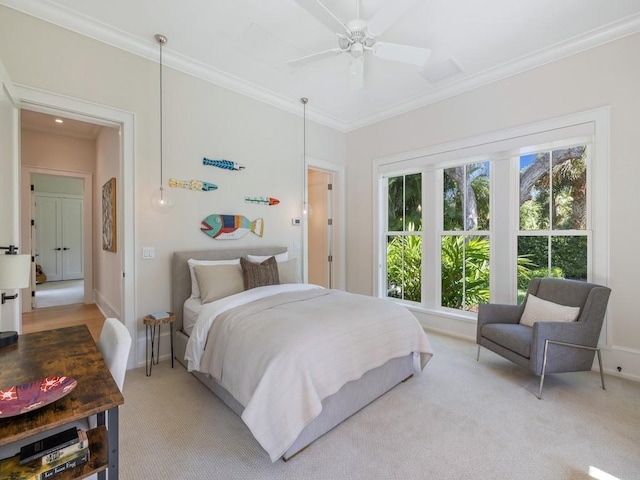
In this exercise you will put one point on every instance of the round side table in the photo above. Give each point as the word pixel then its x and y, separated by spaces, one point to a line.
pixel 150 324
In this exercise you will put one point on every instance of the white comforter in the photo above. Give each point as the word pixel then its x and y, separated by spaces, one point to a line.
pixel 288 347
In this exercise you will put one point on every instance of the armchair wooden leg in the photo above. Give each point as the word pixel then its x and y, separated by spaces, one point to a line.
pixel 478 357
pixel 544 360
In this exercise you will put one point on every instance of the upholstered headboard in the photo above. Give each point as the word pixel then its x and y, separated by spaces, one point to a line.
pixel 181 278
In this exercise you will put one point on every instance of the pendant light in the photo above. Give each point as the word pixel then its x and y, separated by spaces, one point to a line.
pixel 160 201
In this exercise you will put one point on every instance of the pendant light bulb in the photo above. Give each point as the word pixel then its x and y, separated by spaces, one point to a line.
pixel 160 200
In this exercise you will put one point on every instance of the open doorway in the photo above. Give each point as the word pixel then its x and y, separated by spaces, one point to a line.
pixel 320 226
pixel 58 159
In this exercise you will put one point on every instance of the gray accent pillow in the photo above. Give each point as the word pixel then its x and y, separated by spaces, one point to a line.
pixel 218 281
pixel 259 274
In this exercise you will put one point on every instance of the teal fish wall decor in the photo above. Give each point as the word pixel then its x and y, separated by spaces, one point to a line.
pixel 225 164
pixel 231 227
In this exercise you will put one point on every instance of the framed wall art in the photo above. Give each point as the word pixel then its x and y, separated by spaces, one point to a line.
pixel 109 223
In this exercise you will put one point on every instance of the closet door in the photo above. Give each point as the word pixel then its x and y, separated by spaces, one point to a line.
pixel 49 237
pixel 71 227
pixel 59 237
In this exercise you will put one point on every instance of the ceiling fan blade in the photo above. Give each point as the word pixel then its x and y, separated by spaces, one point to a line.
pixel 388 14
pixel 401 53
pixel 298 62
pixel 356 73
pixel 323 15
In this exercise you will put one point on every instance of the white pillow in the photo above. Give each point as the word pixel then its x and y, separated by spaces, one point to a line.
pixel 539 310
pixel 289 271
pixel 195 291
pixel 280 257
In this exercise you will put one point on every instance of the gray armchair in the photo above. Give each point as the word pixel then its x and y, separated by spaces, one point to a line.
pixel 547 347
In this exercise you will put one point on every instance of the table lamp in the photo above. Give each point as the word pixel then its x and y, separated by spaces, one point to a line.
pixel 15 273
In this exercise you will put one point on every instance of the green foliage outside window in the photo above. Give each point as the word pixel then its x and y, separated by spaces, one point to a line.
pixel 465 271
pixel 404 267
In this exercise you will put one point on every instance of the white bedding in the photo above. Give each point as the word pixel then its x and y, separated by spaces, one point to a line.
pixel 280 350
pixel 190 313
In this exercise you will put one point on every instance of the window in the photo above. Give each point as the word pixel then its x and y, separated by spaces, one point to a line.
pixel 465 241
pixel 553 237
pixel 484 215
pixel 404 240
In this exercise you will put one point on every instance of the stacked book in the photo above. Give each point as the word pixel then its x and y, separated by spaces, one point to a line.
pixel 48 457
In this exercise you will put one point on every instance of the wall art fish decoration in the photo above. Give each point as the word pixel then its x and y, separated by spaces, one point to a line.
pixel 262 200
pixel 231 227
pixel 193 185
pixel 226 164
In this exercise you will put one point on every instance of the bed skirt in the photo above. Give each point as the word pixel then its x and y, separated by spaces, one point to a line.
pixel 352 397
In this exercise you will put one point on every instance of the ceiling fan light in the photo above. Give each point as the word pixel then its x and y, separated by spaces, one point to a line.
pixel 356 73
pixel 357 50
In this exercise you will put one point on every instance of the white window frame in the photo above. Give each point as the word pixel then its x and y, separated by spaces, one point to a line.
pixel 382 221
pixel 501 148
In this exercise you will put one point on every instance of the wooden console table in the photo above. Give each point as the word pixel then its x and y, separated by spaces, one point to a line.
pixel 70 352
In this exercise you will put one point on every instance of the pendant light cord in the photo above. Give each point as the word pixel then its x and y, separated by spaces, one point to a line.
pixel 161 116
pixel 161 40
pixel 304 102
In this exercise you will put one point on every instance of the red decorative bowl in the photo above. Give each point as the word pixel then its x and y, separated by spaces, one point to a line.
pixel 30 396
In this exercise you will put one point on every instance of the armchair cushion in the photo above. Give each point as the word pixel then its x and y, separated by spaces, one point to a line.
pixel 539 310
pixel 514 337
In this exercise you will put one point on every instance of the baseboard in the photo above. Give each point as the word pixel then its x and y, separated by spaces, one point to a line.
pixel 165 345
pixel 107 309
pixel 621 362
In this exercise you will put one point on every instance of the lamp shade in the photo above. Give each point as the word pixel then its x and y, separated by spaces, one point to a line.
pixel 15 271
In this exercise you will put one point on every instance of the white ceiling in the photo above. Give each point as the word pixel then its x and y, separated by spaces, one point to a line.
pixel 244 45
pixel 58 125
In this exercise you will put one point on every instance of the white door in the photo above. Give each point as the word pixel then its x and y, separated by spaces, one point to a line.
pixel 71 215
pixel 9 188
pixel 59 237
pixel 48 237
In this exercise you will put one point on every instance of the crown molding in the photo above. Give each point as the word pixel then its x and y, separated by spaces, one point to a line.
pixel 89 27
pixel 71 20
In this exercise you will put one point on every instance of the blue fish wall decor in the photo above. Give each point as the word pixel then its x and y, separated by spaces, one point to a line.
pixel 225 164
pixel 231 227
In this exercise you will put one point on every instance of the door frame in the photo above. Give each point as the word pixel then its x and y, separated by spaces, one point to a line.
pixel 51 103
pixel 339 244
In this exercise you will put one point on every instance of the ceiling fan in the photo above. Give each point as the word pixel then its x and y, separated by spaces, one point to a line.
pixel 358 36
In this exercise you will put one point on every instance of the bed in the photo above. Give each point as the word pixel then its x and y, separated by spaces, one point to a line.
pixel 320 395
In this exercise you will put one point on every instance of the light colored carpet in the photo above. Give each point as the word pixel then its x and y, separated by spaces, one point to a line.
pixel 459 420
pixel 64 292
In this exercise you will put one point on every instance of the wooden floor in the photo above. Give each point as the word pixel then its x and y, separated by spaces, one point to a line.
pixel 64 316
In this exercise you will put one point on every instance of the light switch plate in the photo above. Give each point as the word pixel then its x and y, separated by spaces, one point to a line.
pixel 148 253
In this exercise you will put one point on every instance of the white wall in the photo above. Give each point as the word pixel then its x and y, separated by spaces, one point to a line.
pixel 604 76
pixel 107 265
pixel 200 120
